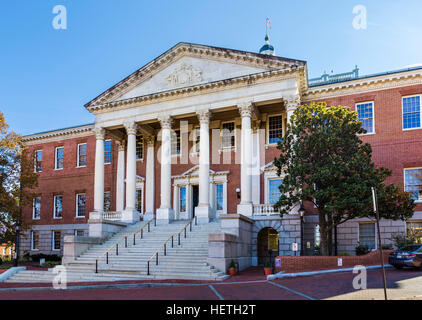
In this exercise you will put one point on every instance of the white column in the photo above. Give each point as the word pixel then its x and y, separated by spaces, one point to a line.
pixel 165 214
pixel 203 209
pixel 150 180
pixel 130 214
pixel 99 171
pixel 291 103
pixel 120 179
pixel 245 207
pixel 256 175
pixel 212 200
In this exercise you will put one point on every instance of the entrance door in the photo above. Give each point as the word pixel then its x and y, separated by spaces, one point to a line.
pixel 267 245
pixel 195 197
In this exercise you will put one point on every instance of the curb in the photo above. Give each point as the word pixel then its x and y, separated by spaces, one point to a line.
pixel 10 272
pixel 282 275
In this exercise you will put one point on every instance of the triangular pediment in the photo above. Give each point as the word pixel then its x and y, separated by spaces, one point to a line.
pixel 187 65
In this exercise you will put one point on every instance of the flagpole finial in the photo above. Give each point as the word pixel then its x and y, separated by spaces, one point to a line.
pixel 267 48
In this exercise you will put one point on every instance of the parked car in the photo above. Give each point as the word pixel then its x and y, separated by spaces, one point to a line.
pixel 407 256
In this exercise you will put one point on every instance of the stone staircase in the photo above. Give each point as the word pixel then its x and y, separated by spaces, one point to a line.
pixel 187 261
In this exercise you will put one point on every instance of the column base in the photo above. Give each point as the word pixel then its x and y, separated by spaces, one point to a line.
pixel 165 215
pixel 203 214
pixel 130 216
pixel 148 216
pixel 245 209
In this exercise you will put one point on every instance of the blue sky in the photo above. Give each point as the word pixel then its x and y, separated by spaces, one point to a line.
pixel 47 75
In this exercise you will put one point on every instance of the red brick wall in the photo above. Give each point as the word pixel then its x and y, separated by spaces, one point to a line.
pixel 310 263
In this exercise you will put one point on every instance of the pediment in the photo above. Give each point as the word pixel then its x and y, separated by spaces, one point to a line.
pixel 187 65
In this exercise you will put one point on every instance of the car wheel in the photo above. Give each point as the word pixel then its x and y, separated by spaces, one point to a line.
pixel 398 267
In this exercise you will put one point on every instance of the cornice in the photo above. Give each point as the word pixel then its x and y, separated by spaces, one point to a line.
pixel 189 49
pixel 59 134
pixel 202 88
pixel 369 84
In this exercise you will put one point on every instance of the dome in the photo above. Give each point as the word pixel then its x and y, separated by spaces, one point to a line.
pixel 267 48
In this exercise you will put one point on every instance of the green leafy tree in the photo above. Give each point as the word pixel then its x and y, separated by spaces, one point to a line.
pixel 324 161
pixel 17 178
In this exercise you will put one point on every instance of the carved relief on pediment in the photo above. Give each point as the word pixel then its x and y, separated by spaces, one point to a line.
pixel 184 75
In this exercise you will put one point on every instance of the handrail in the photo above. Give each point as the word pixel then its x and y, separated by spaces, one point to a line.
pixel 164 245
pixel 125 238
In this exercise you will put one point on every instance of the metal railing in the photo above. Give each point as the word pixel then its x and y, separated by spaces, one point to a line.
pixel 125 239
pixel 164 245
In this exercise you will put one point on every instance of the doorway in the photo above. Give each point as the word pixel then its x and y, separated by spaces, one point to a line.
pixel 267 245
pixel 195 197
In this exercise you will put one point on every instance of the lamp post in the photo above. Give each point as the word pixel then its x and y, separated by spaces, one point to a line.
pixel 302 213
pixel 17 229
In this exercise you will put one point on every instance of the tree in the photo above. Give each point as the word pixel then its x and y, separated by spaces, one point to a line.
pixel 17 178
pixel 324 161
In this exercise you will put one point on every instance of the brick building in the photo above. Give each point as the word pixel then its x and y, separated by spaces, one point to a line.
pixel 194 132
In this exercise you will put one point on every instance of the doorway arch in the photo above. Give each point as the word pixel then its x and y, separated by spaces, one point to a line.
pixel 268 244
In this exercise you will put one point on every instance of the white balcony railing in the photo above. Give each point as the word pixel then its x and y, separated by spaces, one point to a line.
pixel 112 215
pixel 265 209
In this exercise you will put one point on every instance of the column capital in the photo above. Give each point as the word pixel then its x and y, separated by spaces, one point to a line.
pixel 204 116
pixel 292 102
pixel 165 121
pixel 99 133
pixel 130 126
pixel 149 140
pixel 121 145
pixel 246 109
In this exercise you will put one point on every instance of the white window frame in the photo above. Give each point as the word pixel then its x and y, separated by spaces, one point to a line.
pixel 76 232
pixel 77 207
pixel 32 240
pixel 194 137
pixel 33 209
pixel 267 127
pixel 36 161
pixel 373 116
pixel 173 133
pixel 54 207
pixel 55 158
pixel 143 147
pixel 111 152
pixel 53 248
pixel 140 187
pixel 420 112
pixel 224 185
pixel 234 134
pixel 78 153
pixel 404 179
pixel 186 199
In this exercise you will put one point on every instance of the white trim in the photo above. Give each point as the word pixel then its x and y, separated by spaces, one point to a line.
pixel 375 233
pixel 77 208
pixel 77 154
pixel 140 186
pixel 35 160
pixel 404 179
pixel 420 112
pixel 373 116
pixel 33 209
pixel 267 128
pixel 53 238
pixel 267 180
pixel 55 158
pixel 143 148
pixel 32 240
pixel 111 153
pixel 222 148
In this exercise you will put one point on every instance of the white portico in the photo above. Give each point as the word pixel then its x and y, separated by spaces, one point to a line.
pixel 199 85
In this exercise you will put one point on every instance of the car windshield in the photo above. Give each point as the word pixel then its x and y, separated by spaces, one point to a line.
pixel 409 248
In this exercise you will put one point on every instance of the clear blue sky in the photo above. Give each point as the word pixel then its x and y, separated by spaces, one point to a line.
pixel 47 75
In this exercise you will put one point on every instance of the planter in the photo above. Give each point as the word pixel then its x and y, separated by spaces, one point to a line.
pixel 268 271
pixel 232 271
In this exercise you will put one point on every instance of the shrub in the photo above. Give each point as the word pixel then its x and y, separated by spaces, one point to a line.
pixel 47 257
pixel 387 246
pixel 232 264
pixel 400 240
pixel 268 265
pixel 50 264
pixel 317 250
pixel 344 254
pixel 1 261
pixel 361 250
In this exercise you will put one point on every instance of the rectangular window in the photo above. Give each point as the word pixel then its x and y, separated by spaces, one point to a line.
pixel 56 240
pixel 411 112
pixel 367 235
pixel 107 152
pixel 219 194
pixel 196 139
pixel 36 208
pixel 81 155
pixel 175 142
pixel 107 201
pixel 317 235
pixel 413 183
pixel 414 229
pixel 139 147
pixel 58 207
pixel 80 204
pixel 182 191
pixel 59 158
pixel 275 129
pixel 139 204
pixel 274 191
pixel 228 135
pixel 366 116
pixel 79 233
pixel 38 161
pixel 34 240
